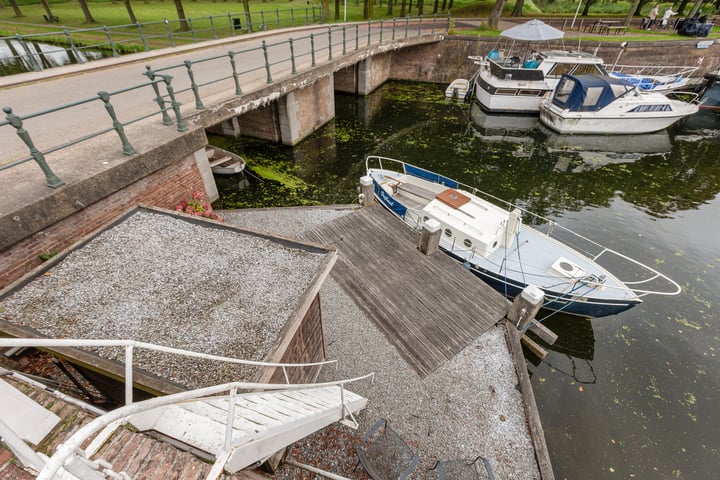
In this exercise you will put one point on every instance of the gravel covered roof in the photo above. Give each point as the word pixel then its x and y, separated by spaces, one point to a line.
pixel 163 278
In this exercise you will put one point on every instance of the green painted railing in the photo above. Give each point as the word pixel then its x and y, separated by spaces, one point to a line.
pixel 149 35
pixel 168 83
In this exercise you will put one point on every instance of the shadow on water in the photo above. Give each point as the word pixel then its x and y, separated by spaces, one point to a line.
pixel 20 57
pixel 627 396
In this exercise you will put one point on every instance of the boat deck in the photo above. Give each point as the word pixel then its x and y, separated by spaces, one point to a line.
pixel 430 307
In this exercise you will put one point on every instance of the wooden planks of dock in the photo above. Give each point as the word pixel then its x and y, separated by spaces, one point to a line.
pixel 430 307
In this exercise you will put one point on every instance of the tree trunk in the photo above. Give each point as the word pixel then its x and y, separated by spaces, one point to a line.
pixel 436 6
pixel 682 6
pixel 517 11
pixel 248 19
pixel 420 5
pixel 337 9
pixel 586 8
pixel 402 7
pixel 15 8
pixel 495 14
pixel 629 17
pixel 86 11
pixel 695 8
pixel 131 14
pixel 46 6
pixel 451 5
pixel 390 7
pixel 181 15
pixel 325 5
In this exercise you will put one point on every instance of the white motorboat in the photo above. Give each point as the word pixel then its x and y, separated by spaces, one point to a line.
pixel 657 78
pixel 597 104
pixel 493 242
pixel 508 85
pixel 458 89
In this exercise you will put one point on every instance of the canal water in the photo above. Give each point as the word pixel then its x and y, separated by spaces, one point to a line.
pixel 26 56
pixel 627 396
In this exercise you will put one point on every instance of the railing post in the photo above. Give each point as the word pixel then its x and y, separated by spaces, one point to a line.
pixel 142 36
pixel 329 43
pixel 307 18
pixel 344 36
pixel 198 103
pixel 369 27
pixel 393 29
pixel 192 30
pixel 232 25
pixel 129 374
pixel 312 50
pixel 169 33
pixel 277 14
pixel 158 98
pixel 74 49
pixel 357 37
pixel 262 20
pixel 292 17
pixel 230 418
pixel 52 180
pixel 407 25
pixel 117 125
pixel 235 75
pixel 37 67
pixel 212 27
pixel 381 30
pixel 267 62
pixel 110 41
pixel 292 57
pixel 420 18
pixel 248 22
pixel 181 127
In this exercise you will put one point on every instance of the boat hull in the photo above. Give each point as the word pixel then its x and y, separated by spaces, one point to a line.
pixel 617 124
pixel 581 306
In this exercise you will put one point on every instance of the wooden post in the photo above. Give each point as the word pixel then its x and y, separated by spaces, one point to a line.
pixel 367 195
pixel 525 306
pixel 430 237
pixel 522 313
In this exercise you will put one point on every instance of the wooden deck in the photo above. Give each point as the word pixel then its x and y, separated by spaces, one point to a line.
pixel 429 307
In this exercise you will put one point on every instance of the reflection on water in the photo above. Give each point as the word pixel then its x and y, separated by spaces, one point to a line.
pixel 20 57
pixel 626 396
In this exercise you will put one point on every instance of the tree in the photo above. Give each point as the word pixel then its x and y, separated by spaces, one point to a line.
pixel 631 12
pixel 46 6
pixel 696 8
pixel 517 11
pixel 325 6
pixel 337 9
pixel 181 15
pixel 129 9
pixel 494 17
pixel 86 11
pixel 390 7
pixel 15 8
pixel 420 5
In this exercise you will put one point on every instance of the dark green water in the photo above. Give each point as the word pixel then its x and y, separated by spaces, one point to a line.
pixel 628 396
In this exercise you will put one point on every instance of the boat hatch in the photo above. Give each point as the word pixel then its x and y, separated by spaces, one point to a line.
pixel 453 198
pixel 565 268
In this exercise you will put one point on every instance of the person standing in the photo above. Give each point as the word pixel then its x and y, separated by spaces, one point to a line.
pixel 666 17
pixel 653 15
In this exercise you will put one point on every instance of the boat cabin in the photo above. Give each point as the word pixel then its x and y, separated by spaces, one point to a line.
pixel 471 224
pixel 590 93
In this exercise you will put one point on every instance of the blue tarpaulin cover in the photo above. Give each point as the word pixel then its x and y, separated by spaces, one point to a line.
pixel 589 93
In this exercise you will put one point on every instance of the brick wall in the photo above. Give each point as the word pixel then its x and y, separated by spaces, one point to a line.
pixel 163 188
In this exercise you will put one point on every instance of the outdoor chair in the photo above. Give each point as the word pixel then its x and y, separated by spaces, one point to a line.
pixel 463 469
pixel 384 454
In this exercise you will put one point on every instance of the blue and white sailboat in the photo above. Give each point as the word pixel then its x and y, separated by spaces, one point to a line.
pixel 494 243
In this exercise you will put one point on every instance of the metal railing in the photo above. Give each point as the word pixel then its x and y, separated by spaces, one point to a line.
pixel 134 37
pixel 130 345
pixel 73 445
pixel 283 59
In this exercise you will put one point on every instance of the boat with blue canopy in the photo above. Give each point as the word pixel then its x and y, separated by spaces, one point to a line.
pixel 599 104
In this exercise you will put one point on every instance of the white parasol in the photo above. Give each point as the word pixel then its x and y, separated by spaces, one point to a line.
pixel 533 31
